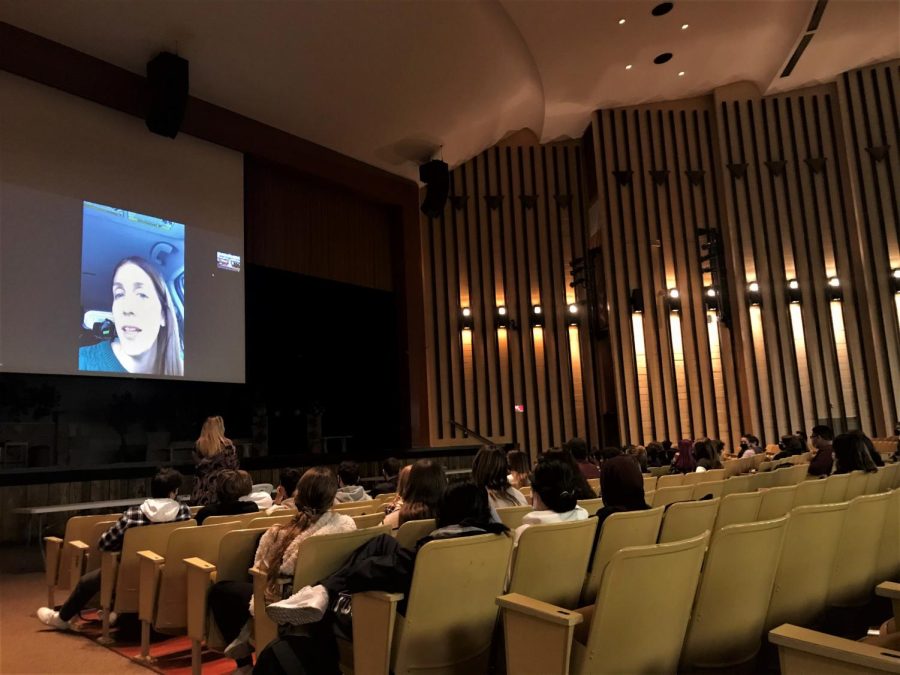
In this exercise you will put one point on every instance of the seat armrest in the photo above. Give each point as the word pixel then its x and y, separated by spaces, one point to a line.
pixel 374 616
pixel 264 629
pixel 78 552
pixel 200 576
pixel 52 549
pixel 109 570
pixel 891 590
pixel 802 650
pixel 150 565
pixel 538 635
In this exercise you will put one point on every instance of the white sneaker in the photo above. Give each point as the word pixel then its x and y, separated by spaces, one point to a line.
pixel 113 617
pixel 307 605
pixel 50 617
pixel 240 647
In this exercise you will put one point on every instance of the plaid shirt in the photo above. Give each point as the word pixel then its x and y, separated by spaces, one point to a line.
pixel 111 540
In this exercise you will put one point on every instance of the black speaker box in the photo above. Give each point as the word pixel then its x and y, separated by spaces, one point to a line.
pixel 167 87
pixel 436 176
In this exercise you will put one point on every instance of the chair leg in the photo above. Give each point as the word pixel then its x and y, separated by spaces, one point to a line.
pixel 196 658
pixel 145 641
pixel 105 639
pixel 50 597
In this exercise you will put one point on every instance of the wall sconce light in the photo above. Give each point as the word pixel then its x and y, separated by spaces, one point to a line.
pixel 636 301
pixel 711 298
pixel 537 316
pixel 673 300
pixel 572 315
pixel 793 291
pixel 466 320
pixel 502 317
pixel 833 290
pixel 895 279
pixel 754 297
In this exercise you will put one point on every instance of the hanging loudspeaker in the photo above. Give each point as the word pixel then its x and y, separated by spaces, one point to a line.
pixel 436 176
pixel 167 87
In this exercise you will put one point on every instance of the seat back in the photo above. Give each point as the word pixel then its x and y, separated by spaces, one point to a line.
pixel 807 557
pixel 810 492
pixel 359 508
pixel 776 502
pixel 713 475
pixel 550 561
pixel 873 483
pixel 888 565
pixel 729 614
pixel 643 586
pixel 319 556
pixel 370 520
pixel 189 542
pixel 526 492
pixel 511 516
pixel 708 487
pixel 836 488
pixel 452 610
pixel 670 495
pixel 694 478
pixel 856 561
pixel 93 539
pixel 78 528
pixel 737 484
pixel 269 521
pixel 670 480
pixel 736 509
pixel 685 520
pixel 145 538
pixel 631 528
pixel 649 483
pixel 856 485
pixel 412 530
pixel 594 484
pixel 790 476
pixel 890 478
pixel 242 518
pixel 591 505
pixel 733 467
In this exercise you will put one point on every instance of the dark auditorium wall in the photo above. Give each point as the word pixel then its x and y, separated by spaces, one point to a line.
pixel 801 186
pixel 513 222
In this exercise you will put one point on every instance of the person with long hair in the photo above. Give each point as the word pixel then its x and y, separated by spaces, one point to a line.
pixel 684 461
pixel 427 482
pixel 706 455
pixel 490 471
pixel 519 469
pixel 851 454
pixel 402 483
pixel 214 453
pixel 553 494
pixel 276 555
pixel 622 487
pixel 583 489
pixel 147 340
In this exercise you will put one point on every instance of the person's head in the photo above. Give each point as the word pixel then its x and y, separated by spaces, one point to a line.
pixel 749 441
pixel 821 437
pixel 287 483
pixel 801 435
pixel 585 491
pixel 639 454
pixel 791 445
pixel 621 484
pixel 212 438
pixel 518 462
pixel 427 482
pixel 348 473
pixel 578 448
pixel 232 485
pixel 391 467
pixel 851 454
pixel 654 451
pixel 403 481
pixel 684 459
pixel 490 470
pixel 609 452
pixel 553 484
pixel 146 325
pixel 165 484
pixel 463 503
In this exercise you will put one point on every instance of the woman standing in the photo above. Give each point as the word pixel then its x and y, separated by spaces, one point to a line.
pixel 215 454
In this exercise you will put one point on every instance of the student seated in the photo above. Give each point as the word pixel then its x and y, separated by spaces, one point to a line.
pixel 684 461
pixel 390 469
pixel 822 461
pixel 583 489
pixel 402 486
pixel 579 451
pixel 788 446
pixel 851 454
pixel 519 469
pixel 232 486
pixel 349 489
pixel 276 555
pixel 161 507
pixel 427 483
pixel 490 471
pixel 553 495
pixel 622 488
pixel 706 455
pixel 284 494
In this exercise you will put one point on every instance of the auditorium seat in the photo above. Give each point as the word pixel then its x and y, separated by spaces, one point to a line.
pixel 195 510
pixel 891 591
pixel 511 516
pixel 550 561
pixel 802 651
pixel 856 560
pixel 234 560
pixel 58 563
pixel 688 519
pixel 317 557
pixel 670 480
pixel 810 492
pixel 450 613
pixel 649 483
pixel 385 497
pixel 735 509
pixel 648 497
pixel 708 487
pixel 694 478
pixel 776 502
pixel 712 475
pixel 669 495
pixel 163 579
pixel 729 614
pixel 412 530
pixel 856 485
pixel 873 483
pixel 79 556
pixel 804 569
pixel 242 518
pixel 888 474
pixel 526 492
pixel 888 565
pixel 269 521
pixel 790 476
pixel 630 528
pixel 642 587
pixel 359 508
pixel 836 488
pixel 595 485
pixel 369 520
pixel 120 576
pixel 591 505
pixel 736 484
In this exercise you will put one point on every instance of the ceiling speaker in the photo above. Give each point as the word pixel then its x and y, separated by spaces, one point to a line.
pixel 167 87
pixel 436 176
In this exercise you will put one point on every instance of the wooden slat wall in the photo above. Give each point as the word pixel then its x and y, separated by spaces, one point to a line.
pixel 514 220
pixel 802 186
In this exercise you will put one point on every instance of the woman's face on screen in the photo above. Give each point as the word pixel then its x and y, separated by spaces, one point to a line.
pixel 137 310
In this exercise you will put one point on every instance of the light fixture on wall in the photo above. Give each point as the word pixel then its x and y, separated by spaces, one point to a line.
pixel 636 301
pixel 466 320
pixel 537 316
pixel 572 314
pixel 754 297
pixel 793 291
pixel 711 298
pixel 673 300
pixel 833 290
pixel 502 318
pixel 895 279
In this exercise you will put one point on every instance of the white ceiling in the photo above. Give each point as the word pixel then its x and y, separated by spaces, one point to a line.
pixel 389 81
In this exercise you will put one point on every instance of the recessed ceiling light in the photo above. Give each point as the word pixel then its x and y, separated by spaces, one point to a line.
pixel 681 73
pixel 628 67
pixel 621 21
pixel 684 26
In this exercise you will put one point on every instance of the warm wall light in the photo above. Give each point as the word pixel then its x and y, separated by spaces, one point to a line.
pixel 754 297
pixel 793 291
pixel 711 298
pixel 466 320
pixel 833 291
pixel 502 317
pixel 537 316
pixel 895 279
pixel 573 314
pixel 673 300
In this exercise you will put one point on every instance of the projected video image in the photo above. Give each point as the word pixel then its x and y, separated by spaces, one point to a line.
pixel 132 293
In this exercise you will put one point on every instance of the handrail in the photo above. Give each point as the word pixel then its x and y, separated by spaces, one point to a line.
pixel 471 432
